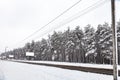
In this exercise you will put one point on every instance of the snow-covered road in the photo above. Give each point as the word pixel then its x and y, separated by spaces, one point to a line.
pixel 21 71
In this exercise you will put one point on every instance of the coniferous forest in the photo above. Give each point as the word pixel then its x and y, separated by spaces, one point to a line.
pixel 83 46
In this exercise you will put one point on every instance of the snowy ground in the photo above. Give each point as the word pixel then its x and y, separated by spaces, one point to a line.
pixel 105 66
pixel 20 71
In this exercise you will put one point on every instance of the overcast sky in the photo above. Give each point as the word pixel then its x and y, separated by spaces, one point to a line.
pixel 20 18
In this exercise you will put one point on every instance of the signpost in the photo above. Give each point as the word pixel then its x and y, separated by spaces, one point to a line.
pixel 30 55
pixel 11 56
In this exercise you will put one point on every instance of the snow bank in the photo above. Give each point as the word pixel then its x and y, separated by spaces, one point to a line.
pixel 104 66
pixel 20 71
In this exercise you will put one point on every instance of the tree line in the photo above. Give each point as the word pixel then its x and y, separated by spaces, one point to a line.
pixel 83 46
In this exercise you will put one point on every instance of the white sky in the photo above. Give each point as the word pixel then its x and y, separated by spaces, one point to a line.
pixel 20 18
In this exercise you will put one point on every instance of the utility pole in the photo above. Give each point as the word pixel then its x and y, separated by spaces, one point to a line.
pixel 6 49
pixel 115 56
pixel 5 57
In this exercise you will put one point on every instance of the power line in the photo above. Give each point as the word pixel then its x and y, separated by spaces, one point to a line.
pixel 85 11
pixel 52 20
pixel 81 13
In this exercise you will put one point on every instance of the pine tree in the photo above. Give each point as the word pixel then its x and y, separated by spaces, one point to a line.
pixel 79 45
pixel 57 44
pixel 103 39
pixel 89 41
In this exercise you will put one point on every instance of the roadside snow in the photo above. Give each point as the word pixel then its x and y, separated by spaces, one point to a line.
pixel 21 71
pixel 104 66
pixel 2 77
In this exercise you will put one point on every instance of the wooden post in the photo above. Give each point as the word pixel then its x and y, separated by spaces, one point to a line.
pixel 115 56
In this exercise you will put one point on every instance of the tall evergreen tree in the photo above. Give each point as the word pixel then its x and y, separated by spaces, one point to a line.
pixel 79 45
pixel 103 39
pixel 89 41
